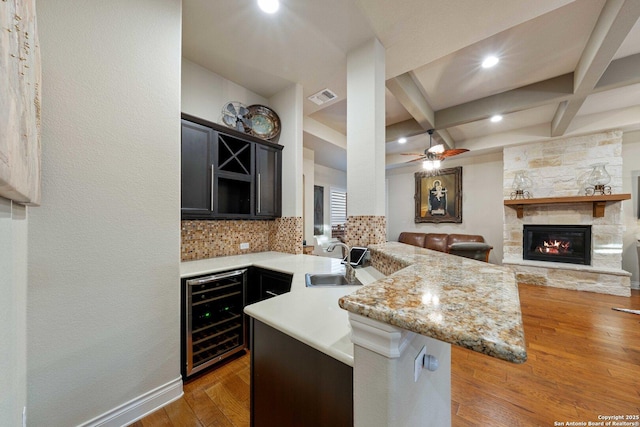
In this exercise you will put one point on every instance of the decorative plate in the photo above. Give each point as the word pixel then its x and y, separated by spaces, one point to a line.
pixel 265 123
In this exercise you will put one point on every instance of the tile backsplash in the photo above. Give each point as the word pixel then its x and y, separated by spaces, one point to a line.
pixel 210 239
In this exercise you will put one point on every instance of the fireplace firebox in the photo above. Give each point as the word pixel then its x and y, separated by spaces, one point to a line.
pixel 557 243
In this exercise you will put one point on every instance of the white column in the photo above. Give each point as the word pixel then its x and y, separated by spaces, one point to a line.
pixel 385 393
pixel 288 105
pixel 366 130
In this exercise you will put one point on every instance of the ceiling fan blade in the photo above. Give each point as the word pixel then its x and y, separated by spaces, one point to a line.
pixel 415 160
pixel 453 152
pixel 412 154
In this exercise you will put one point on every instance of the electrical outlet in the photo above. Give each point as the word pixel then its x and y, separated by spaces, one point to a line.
pixel 418 363
pixel 244 246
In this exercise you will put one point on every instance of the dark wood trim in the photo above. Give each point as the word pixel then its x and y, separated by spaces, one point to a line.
pixel 598 202
pixel 230 131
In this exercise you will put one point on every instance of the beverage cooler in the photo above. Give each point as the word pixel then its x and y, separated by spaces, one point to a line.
pixel 213 324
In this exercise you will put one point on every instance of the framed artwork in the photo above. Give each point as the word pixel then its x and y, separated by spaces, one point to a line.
pixel 438 196
pixel 318 210
pixel 19 103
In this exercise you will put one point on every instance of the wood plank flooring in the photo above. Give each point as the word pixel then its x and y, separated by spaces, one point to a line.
pixel 584 361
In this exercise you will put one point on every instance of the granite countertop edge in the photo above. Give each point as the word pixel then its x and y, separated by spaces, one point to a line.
pixel 468 303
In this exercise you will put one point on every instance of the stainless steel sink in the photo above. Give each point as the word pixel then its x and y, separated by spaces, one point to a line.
pixel 326 280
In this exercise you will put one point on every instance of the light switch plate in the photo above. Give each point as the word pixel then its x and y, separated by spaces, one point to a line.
pixel 244 246
pixel 418 363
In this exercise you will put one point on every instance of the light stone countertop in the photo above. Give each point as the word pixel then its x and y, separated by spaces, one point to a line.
pixel 310 315
pixel 460 301
pixel 457 300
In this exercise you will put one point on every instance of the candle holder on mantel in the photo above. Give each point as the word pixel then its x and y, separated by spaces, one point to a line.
pixel 521 184
pixel 598 179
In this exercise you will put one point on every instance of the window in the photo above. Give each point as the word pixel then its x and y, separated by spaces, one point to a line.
pixel 338 206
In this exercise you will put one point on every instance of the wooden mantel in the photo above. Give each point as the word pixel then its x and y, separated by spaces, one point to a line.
pixel 598 201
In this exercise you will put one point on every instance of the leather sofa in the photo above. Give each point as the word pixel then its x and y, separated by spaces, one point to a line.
pixel 465 245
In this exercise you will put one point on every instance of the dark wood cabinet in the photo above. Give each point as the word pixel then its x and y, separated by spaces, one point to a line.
pixel 227 174
pixel 293 384
pixel 268 181
pixel 197 160
pixel 265 284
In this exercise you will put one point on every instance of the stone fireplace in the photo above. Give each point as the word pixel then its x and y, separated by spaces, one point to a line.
pixel 554 168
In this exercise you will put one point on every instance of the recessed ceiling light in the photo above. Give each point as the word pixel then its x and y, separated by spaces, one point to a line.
pixel 269 6
pixel 402 140
pixel 496 118
pixel 490 61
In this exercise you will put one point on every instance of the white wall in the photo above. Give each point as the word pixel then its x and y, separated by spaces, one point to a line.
pixel 630 174
pixel 308 172
pixel 13 306
pixel 327 178
pixel 482 201
pixel 204 92
pixel 104 246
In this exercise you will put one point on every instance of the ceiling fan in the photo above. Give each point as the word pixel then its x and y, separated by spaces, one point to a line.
pixel 434 155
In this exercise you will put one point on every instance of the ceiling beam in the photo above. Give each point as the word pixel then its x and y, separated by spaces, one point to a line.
pixel 407 92
pixel 621 72
pixel 405 89
pixel 614 23
pixel 549 91
pixel 406 129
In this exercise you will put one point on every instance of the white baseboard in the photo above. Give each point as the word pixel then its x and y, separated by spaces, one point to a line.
pixel 137 408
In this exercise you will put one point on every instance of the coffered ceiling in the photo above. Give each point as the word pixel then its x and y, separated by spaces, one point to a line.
pixel 566 67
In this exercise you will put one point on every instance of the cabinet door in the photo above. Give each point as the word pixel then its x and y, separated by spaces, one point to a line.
pixel 233 182
pixel 273 283
pixel 268 181
pixel 196 170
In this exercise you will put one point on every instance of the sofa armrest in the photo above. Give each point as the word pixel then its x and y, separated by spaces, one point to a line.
pixel 473 250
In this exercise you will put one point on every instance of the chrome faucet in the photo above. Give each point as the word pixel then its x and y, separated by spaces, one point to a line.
pixel 350 272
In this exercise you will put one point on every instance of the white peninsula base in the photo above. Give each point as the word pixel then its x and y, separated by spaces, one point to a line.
pixel 385 393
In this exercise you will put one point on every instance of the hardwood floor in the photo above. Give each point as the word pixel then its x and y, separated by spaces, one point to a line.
pixel 583 361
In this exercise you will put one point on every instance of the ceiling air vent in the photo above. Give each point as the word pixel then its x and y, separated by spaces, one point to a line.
pixel 324 96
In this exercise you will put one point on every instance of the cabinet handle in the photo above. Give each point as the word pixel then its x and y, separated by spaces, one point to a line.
pixel 214 277
pixel 211 188
pixel 259 193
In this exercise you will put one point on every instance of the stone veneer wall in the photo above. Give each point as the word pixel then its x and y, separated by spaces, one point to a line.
pixel 210 239
pixel 366 230
pixel 554 168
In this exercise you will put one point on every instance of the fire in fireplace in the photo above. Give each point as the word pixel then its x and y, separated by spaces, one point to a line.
pixel 558 243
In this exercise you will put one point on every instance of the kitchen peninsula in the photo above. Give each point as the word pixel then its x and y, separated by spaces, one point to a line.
pixel 427 299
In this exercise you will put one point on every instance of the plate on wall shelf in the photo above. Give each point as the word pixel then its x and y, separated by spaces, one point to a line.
pixel 265 123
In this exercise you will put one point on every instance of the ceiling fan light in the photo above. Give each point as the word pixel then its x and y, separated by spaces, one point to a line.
pixel 490 61
pixel 269 6
pixel 427 165
pixel 436 149
pixel 436 164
